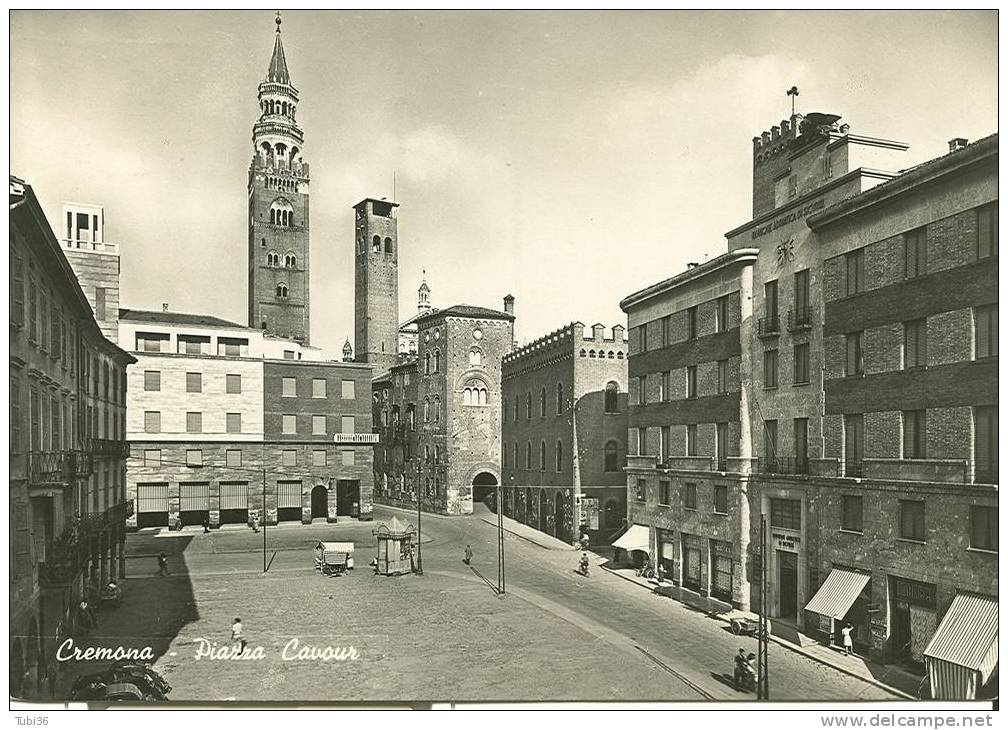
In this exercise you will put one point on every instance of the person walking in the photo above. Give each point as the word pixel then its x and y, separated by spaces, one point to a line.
pixel 238 635
pixel 848 643
pixel 162 561
pixel 468 555
pixel 206 523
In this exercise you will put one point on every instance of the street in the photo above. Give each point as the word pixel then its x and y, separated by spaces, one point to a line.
pixel 446 635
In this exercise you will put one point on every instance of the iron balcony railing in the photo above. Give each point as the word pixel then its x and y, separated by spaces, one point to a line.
pixel 58 467
pixel 116 448
pixel 783 465
pixel 769 326
pixel 800 318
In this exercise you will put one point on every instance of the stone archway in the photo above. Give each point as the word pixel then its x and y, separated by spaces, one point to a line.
pixel 544 512
pixel 484 486
pixel 319 502
pixel 17 668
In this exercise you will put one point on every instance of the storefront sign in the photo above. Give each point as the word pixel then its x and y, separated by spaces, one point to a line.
pixel 720 547
pixel 355 438
pixel 878 628
pixel 912 591
pixel 791 217
pixel 692 541
pixel 786 541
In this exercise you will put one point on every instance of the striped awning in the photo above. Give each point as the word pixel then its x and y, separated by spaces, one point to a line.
pixel 836 596
pixel 638 537
pixel 967 633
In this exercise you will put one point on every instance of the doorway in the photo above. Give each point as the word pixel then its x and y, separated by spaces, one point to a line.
pixel 484 487
pixel 787 584
pixel 319 502
pixel 348 497
pixel 559 523
pixel 544 512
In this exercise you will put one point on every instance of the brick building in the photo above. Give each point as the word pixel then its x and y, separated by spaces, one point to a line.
pixel 564 428
pixel 868 383
pixel 68 505
pixel 232 425
pixel 453 391
pixel 376 283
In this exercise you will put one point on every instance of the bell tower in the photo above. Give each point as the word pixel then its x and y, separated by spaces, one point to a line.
pixel 278 208
pixel 376 277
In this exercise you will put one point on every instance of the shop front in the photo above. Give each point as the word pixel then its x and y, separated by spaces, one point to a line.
pixel 912 618
pixel 722 567
pixel 962 657
pixel 692 558
pixel 842 600
pixel 665 540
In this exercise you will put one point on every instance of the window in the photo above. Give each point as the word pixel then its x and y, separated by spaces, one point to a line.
pixel 281 290
pixel 854 265
pixel 473 394
pixel 475 358
pixel 642 390
pixel 528 454
pixel 232 383
pixel 542 402
pixel 194 457
pixel 985 331
pixel 559 400
pixel 611 457
pixel 663 444
pixel 288 387
pixel 289 424
pixel 666 386
pixel 915 253
pixel 15 415
pixel 232 347
pixel 528 406
pixel 194 422
pixel 437 409
pixel 542 456
pixel 611 397
pixel 348 457
pixel 691 323
pixel 801 363
pixel 152 421
pixel 559 456
pixel 33 313
pixel 770 369
pixel 855 355
pixel 152 380
pixel 17 294
pixel 722 314
pixel 793 186
pixel 987 231
pixel 288 354
pixel 664 492
pixel 691 381
pixel 691 439
pixel 233 421
pixel 318 457
pixel 689 496
pixel 437 361
pixel 191 345
pixel 984 528
pixel 853 443
pixel 288 457
pixel 801 295
pixel 643 338
pixel 770 439
pixel 852 519
pixel 233 457
pixel 985 444
pixel 347 390
pixel 641 490
pixel 666 330
pixel 801 445
pixel 770 297
pixel 722 377
pixel 348 424
pixel 318 388
pixel 152 457
pixel 914 434
pixel 827 165
pixel 785 513
pixel 194 382
pixel 912 519
pixel 642 448
pixel 720 499
pixel 721 445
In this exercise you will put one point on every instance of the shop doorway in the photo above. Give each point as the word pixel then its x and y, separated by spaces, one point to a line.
pixel 691 565
pixel 787 584
pixel 560 529
pixel 319 502
pixel 544 511
pixel 233 503
pixel 348 497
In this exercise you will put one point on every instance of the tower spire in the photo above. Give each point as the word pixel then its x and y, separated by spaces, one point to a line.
pixel 278 63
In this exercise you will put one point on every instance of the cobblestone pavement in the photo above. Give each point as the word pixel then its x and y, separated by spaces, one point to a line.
pixel 445 635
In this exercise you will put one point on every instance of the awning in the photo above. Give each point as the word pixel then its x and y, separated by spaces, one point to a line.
pixel 963 652
pixel 339 547
pixel 835 597
pixel 638 537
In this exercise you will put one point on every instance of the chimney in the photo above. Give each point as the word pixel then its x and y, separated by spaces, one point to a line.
pixel 957 143
pixel 509 304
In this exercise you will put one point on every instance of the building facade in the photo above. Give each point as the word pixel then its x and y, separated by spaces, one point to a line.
pixel 230 425
pixel 564 429
pixel 376 283
pixel 867 404
pixel 278 182
pixel 68 502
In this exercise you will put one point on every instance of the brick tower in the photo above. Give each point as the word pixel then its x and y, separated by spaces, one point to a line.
pixel 278 209
pixel 376 311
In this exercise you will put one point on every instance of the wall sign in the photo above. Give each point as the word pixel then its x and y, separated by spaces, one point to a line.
pixel 791 217
pixel 786 541
pixel 355 438
pixel 915 592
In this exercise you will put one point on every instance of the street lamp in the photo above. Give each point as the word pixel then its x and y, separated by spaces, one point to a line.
pixel 419 549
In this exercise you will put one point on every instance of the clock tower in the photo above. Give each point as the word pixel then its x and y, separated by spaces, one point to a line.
pixel 278 209
pixel 376 294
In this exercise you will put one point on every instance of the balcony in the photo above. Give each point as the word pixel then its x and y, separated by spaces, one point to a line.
pixel 768 326
pixel 56 572
pixel 47 468
pixel 799 319
pixel 114 448
pixel 985 472
pixel 853 468
pixel 783 465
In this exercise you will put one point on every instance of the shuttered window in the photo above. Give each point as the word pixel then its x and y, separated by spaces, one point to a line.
pixel 194 496
pixel 288 494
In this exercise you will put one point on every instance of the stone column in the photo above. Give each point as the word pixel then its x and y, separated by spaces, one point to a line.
pixel 740 577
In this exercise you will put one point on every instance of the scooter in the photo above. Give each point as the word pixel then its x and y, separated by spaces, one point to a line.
pixel 583 567
pixel 746 679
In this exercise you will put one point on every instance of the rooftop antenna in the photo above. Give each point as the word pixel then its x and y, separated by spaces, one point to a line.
pixel 793 93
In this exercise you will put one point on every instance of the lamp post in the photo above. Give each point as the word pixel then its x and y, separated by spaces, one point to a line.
pixel 419 547
pixel 264 516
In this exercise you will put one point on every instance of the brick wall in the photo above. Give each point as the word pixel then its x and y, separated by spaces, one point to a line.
pixel 949 433
pixel 883 348
pixel 882 435
pixel 950 337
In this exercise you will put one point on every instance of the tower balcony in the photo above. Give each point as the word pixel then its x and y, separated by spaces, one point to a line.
pixel 265 127
pixel 93 246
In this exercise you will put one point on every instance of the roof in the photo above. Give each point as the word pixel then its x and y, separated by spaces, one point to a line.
pixel 415 317
pixel 696 272
pixel 468 310
pixel 201 320
pixel 967 632
pixel 278 64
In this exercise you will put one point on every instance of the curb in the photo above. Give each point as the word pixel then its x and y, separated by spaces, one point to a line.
pixel 792 647
pixel 525 538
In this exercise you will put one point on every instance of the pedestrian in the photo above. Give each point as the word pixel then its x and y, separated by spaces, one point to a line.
pixel 468 555
pixel 848 643
pixel 162 561
pixel 206 523
pixel 238 635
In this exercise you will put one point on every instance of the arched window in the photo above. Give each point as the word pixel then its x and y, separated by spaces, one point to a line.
pixel 611 456
pixel 515 463
pixel 528 454
pixel 583 352
pixel 376 244
pixel 516 409
pixel 411 417
pixel 474 394
pixel 467 396
pixel 388 245
pixel 426 454
pixel 504 407
pixel 281 213
pixel 619 355
pixel 437 409
pixel 426 410
pixel 437 361
pixel 290 261
pixel 483 396
pixel 560 398
pixel 281 290
pixel 542 456
pixel 542 401
pixel 272 259
pixel 612 397
pixel 475 358
pixel 591 353
pixel 528 405
pixel 426 363
pixel 559 457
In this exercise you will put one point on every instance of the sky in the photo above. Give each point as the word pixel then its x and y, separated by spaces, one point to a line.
pixel 567 158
